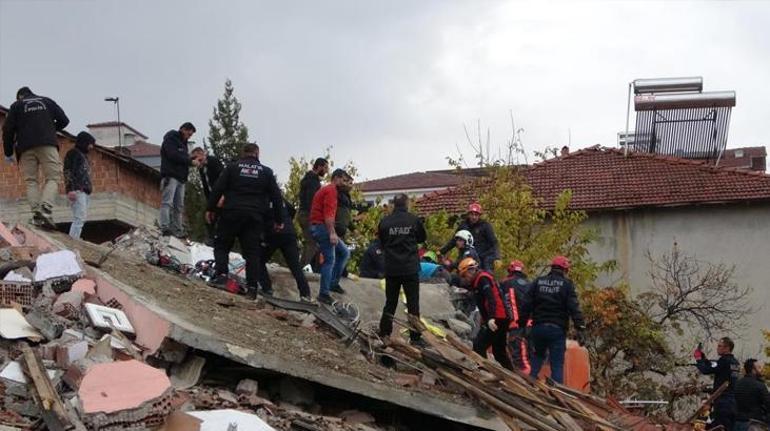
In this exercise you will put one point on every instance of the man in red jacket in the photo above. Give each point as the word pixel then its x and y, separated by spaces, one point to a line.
pixel 323 213
pixel 495 309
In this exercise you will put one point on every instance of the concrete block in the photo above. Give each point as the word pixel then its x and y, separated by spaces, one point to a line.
pixel 85 286
pixel 49 326
pixel 247 387
pixel 68 353
pixel 62 263
pixel 68 304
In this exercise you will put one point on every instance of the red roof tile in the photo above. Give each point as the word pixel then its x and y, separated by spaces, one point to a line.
pixel 605 179
pixel 413 181
pixel 115 124
pixel 143 149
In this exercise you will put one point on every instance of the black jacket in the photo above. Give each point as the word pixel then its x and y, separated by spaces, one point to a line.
pixel 400 233
pixel 288 221
pixel 249 186
pixel 484 239
pixel 344 218
pixel 77 172
pixel 210 173
pixel 520 286
pixel 552 299
pixel 752 400
pixel 726 369
pixel 310 184
pixel 32 122
pixel 373 261
pixel 174 159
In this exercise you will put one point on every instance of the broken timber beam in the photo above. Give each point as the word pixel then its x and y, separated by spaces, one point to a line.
pixel 708 401
pixel 45 395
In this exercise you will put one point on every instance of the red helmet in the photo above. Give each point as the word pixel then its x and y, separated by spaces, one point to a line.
pixel 474 208
pixel 516 266
pixel 561 262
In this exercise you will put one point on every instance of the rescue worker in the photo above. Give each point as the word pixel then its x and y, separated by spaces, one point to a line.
pixel 495 309
pixel 752 399
pixel 30 132
pixel 209 170
pixel 373 261
pixel 308 187
pixel 400 233
pixel 464 245
pixel 323 215
pixel 551 303
pixel 77 181
pixel 485 240
pixel 517 286
pixel 249 189
pixel 284 239
pixel 725 369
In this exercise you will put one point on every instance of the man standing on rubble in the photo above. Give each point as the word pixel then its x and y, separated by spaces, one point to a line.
pixel 517 286
pixel 551 303
pixel 284 239
pixel 308 187
pixel 725 369
pixel 400 233
pixel 250 191
pixel 495 309
pixel 175 162
pixel 323 215
pixel 209 170
pixel 484 238
pixel 30 131
pixel 77 181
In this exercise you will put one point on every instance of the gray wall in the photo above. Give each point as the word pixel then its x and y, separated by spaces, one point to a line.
pixel 734 234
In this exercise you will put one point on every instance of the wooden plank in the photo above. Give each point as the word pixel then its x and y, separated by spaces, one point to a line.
pixel 51 407
pixel 708 401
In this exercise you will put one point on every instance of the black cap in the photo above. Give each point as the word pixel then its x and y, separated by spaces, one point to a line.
pixel 340 173
pixel 188 126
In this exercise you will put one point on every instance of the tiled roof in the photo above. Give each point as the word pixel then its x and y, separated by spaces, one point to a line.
pixel 753 158
pixel 413 181
pixel 143 149
pixel 605 179
pixel 115 124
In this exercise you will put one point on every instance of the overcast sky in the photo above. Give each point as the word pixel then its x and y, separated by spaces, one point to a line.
pixel 389 84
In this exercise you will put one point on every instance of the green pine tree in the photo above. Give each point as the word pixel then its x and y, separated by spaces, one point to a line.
pixel 227 134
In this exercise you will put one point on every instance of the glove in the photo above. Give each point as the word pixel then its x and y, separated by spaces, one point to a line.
pixel 492 325
pixel 498 264
pixel 697 354
pixel 9 159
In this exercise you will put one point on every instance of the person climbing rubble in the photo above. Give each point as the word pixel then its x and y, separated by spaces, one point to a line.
pixel 495 308
pixel 517 286
pixel 250 191
pixel 551 303
pixel 401 232
pixel 77 181
pixel 484 235
pixel 725 369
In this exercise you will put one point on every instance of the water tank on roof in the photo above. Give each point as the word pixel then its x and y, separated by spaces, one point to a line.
pixel 668 85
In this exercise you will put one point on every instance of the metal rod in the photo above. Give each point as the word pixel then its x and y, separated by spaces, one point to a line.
pixel 628 114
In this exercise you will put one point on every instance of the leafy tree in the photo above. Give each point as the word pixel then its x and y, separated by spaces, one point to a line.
pixel 227 134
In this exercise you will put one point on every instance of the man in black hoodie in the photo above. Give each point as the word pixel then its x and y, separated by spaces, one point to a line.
pixel 175 162
pixel 77 178
pixel 400 233
pixel 725 369
pixel 752 399
pixel 309 185
pixel 209 170
pixel 30 130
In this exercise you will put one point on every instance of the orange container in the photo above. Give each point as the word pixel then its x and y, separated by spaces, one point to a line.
pixel 577 368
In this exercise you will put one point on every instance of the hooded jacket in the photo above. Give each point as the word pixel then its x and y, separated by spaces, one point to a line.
pixel 484 239
pixel 77 172
pixel 552 299
pixel 32 122
pixel 174 158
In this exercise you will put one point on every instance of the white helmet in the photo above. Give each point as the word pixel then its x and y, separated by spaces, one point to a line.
pixel 465 236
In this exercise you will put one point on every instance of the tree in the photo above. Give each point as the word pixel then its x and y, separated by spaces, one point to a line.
pixel 227 134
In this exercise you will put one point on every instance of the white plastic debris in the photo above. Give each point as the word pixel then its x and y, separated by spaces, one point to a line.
pixel 107 318
pixel 221 420
pixel 13 373
pixel 63 263
pixel 13 325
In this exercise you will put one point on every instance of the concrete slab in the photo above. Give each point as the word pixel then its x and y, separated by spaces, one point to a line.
pixel 119 386
pixel 85 286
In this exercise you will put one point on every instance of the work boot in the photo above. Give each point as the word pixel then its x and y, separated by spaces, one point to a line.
pixel 268 291
pixel 308 300
pixel 251 293
pixel 337 289
pixel 325 299
pixel 219 281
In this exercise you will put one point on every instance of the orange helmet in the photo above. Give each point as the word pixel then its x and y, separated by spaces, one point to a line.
pixel 561 262
pixel 466 265
pixel 516 266
pixel 474 208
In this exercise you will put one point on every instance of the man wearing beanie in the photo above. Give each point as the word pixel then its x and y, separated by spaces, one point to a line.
pixel 77 178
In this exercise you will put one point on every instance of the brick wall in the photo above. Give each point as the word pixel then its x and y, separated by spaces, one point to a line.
pixel 108 174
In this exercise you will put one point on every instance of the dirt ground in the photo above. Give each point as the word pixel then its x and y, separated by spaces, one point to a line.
pixel 244 323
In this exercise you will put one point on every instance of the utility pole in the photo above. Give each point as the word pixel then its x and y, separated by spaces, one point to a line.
pixel 116 101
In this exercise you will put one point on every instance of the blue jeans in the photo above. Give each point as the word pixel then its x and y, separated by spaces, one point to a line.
pixel 551 341
pixel 172 205
pixel 335 257
pixel 79 213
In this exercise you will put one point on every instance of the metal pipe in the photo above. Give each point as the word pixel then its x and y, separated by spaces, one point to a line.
pixel 668 85
pixel 715 99
pixel 628 115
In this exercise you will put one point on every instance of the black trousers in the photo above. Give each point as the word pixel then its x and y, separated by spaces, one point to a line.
pixel 287 243
pixel 247 228
pixel 497 339
pixel 393 286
